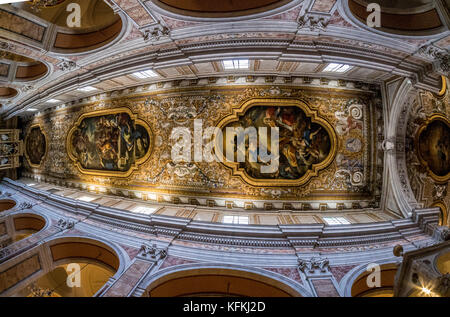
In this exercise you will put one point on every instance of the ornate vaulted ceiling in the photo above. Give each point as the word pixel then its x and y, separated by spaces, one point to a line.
pixel 115 137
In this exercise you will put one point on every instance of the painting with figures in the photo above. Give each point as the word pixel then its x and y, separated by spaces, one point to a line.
pixel 109 142
pixel 302 142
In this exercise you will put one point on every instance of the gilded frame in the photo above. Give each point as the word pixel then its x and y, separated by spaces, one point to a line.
pixel 36 125
pixel 290 102
pixel 134 166
pixel 423 127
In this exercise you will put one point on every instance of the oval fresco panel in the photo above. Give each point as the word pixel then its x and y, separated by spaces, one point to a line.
pixel 110 142
pixel 35 146
pixel 306 142
pixel 433 144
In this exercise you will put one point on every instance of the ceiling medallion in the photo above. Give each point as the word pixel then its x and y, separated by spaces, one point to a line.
pixel 433 147
pixel 111 142
pixel 36 145
pixel 307 143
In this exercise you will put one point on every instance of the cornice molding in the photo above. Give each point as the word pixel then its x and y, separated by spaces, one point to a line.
pixel 281 236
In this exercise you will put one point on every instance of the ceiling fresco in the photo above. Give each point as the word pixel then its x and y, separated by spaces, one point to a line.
pixel 427 149
pixel 109 141
pixel 305 145
pixel 35 146
pixel 434 147
pixel 335 130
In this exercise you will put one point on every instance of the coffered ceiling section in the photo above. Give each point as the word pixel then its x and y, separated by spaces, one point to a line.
pixel 131 141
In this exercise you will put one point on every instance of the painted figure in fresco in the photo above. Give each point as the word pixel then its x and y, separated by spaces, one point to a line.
pixel 109 142
pixel 35 145
pixel 434 147
pixel 301 142
pixel 346 123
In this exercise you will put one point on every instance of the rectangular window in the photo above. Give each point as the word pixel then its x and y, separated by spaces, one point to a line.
pixel 87 198
pixel 241 220
pixel 87 89
pixel 145 74
pixel 144 210
pixel 336 221
pixel 336 68
pixel 236 64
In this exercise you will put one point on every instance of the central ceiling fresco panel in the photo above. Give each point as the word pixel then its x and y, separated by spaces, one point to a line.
pixel 327 142
pixel 305 143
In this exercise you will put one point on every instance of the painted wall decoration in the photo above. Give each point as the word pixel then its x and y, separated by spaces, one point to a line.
pixel 434 147
pixel 427 149
pixel 113 142
pixel 306 143
pixel 35 146
pixel 111 155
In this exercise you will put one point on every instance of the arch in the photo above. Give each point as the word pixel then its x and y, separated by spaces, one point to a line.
pixel 442 262
pixel 196 11
pixel 67 42
pixel 26 225
pixel 220 280
pixel 404 19
pixel 92 256
pixel 355 285
pixel 74 41
pixel 7 92
pixel 219 9
pixel 100 26
pixel 7 204
pixel 443 213
pixel 395 161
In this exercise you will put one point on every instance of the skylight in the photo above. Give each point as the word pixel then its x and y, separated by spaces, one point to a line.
pixel 86 198
pixel 144 210
pixel 336 68
pixel 145 74
pixel 241 220
pixel 53 101
pixel 336 221
pixel 87 89
pixel 236 64
pixel 31 109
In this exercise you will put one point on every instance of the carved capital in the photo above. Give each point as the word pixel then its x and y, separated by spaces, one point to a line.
pixel 6 46
pixel 440 57
pixel 155 33
pixel 313 21
pixel 25 205
pixel 65 224
pixel 152 252
pixel 314 265
pixel 67 65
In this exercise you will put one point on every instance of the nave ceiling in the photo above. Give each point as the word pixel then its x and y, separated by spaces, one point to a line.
pixel 288 44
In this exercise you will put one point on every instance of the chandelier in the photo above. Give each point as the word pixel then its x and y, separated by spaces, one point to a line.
pixel 37 5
